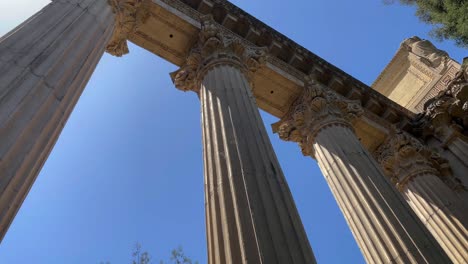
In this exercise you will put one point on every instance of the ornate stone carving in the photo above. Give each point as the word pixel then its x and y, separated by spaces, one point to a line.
pixel 426 51
pixel 439 86
pixel 403 158
pixel 315 109
pixel 448 109
pixel 130 14
pixel 214 47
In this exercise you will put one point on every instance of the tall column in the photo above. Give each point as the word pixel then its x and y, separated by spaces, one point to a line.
pixel 45 64
pixel 250 213
pixel 416 171
pixel 384 227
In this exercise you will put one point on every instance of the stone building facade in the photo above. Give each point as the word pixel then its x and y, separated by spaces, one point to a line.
pixel 398 170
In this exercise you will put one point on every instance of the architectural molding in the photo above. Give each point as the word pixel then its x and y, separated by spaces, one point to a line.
pixel 440 85
pixel 129 15
pixel 281 50
pixel 318 107
pixel 427 53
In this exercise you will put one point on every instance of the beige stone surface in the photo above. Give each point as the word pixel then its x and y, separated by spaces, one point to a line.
pixel 417 72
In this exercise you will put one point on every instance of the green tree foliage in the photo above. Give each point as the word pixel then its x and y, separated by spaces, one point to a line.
pixel 143 257
pixel 139 256
pixel 448 17
pixel 178 257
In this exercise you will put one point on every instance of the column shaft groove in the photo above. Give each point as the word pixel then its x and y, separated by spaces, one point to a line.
pixel 417 172
pixel 248 201
pixel 380 219
pixel 442 212
pixel 45 64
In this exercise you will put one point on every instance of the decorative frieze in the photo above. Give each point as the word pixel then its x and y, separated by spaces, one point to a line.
pixel 441 84
pixel 448 109
pixel 129 15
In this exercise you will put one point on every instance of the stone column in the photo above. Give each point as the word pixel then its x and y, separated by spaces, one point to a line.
pixel 417 173
pixel 250 213
pixel 458 145
pixel 384 227
pixel 45 64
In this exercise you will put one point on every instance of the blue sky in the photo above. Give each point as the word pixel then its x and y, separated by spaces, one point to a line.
pixel 128 164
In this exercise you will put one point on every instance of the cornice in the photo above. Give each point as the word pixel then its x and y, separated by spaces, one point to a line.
pixel 312 62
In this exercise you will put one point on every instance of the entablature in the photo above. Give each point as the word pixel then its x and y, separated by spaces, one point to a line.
pixel 172 30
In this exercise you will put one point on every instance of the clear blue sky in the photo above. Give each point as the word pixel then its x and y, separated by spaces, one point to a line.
pixel 128 165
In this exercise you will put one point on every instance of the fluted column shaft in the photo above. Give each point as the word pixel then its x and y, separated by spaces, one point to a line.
pixel 250 213
pixel 251 216
pixel 381 222
pixel 459 147
pixel 385 228
pixel 417 172
pixel 44 65
pixel 442 212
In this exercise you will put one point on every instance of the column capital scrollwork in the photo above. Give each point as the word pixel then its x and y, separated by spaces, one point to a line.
pixel 215 47
pixel 316 108
pixel 403 158
pixel 129 15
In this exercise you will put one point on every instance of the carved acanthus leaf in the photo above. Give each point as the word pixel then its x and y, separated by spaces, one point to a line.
pixel 403 158
pixel 130 14
pixel 317 107
pixel 215 46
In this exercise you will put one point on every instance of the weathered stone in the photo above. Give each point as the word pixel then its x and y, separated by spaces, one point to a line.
pixel 130 14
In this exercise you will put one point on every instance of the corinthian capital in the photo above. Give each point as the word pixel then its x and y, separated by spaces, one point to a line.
pixel 129 15
pixel 316 108
pixel 403 158
pixel 215 47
